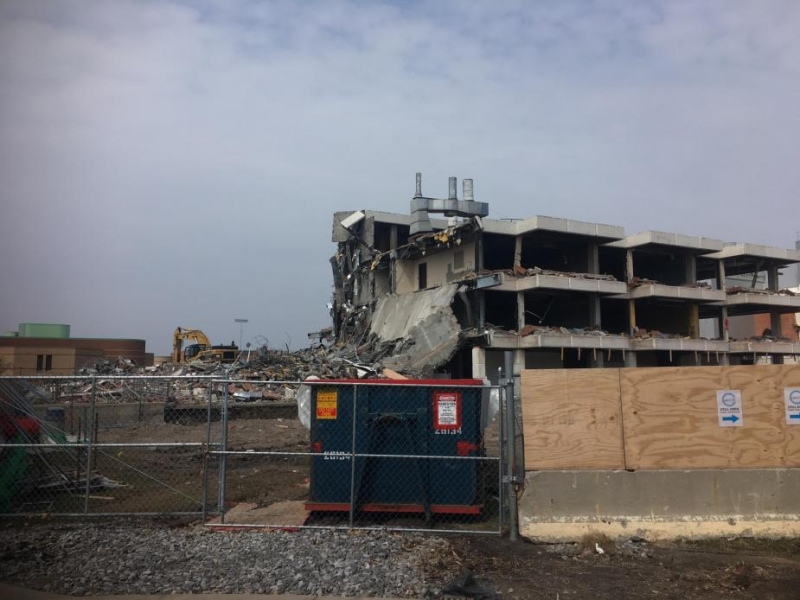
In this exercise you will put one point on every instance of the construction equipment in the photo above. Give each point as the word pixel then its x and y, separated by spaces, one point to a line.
pixel 201 349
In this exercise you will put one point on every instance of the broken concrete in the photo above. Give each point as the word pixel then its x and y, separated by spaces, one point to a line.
pixel 425 326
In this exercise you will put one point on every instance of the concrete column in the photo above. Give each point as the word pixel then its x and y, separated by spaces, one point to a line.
pixel 597 359
pixel 632 316
pixel 520 311
pixel 774 315
pixel 691 268
pixel 722 284
pixel 772 278
pixel 629 265
pixel 631 303
pixel 630 359
pixel 593 258
pixel 694 321
pixel 595 319
pixel 478 362
pixel 518 251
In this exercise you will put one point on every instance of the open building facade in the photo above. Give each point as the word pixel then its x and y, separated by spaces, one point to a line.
pixel 452 294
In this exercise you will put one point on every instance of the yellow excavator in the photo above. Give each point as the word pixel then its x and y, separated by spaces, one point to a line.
pixel 201 349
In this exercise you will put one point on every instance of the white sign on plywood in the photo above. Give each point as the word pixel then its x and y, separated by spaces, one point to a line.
pixel 729 408
pixel 791 397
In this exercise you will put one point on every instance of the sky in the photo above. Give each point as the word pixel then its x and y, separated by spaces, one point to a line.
pixel 176 163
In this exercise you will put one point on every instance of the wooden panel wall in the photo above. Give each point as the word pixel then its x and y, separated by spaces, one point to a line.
pixel 670 418
pixel 657 418
pixel 572 417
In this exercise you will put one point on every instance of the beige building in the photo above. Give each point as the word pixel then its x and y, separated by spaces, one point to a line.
pixel 31 351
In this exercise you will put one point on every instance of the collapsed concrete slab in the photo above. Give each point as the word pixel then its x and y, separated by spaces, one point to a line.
pixel 423 323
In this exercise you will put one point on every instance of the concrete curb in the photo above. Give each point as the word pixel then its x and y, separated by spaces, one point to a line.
pixel 13 592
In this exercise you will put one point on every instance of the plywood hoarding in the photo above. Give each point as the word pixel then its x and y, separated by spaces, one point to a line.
pixel 572 417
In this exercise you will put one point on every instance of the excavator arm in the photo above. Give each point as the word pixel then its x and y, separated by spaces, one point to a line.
pixel 182 334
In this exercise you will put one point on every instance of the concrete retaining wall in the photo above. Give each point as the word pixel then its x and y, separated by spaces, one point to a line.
pixel 565 505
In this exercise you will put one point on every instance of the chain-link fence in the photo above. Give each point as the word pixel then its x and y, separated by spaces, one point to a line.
pixel 104 446
pixel 245 453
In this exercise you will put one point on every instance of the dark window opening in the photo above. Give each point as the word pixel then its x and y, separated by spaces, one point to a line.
pixel 458 260
pixel 498 251
pixel 39 362
pixel 555 253
pixel 422 275
pixel 668 268
pixel 612 262
pixel 48 362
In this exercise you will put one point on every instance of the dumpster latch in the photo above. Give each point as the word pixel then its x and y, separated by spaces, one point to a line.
pixel 463 447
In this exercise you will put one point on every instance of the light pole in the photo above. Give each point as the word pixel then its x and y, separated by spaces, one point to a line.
pixel 241 323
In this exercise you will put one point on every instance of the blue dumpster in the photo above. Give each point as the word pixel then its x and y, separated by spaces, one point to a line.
pixel 397 446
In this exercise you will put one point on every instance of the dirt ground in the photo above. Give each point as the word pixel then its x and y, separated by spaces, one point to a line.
pixel 250 478
pixel 741 568
pixel 166 479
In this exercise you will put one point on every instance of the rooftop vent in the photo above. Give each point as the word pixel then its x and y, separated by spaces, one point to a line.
pixel 451 207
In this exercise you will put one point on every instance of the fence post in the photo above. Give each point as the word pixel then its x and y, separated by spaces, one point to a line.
pixel 90 429
pixel 511 447
pixel 223 459
pixel 206 450
pixel 353 458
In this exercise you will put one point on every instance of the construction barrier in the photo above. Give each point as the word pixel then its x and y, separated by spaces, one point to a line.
pixel 662 418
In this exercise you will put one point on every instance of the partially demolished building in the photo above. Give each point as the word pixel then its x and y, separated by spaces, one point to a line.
pixel 449 295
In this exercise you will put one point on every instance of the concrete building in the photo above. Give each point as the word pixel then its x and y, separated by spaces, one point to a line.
pixel 47 349
pixel 451 295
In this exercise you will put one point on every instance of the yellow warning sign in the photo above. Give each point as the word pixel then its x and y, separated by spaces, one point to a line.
pixel 327 403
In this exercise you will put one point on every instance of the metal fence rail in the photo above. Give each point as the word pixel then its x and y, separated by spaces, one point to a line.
pixel 234 453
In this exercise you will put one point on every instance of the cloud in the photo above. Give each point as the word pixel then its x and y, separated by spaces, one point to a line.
pixel 178 163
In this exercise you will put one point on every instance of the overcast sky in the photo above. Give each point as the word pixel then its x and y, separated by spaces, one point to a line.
pixel 178 163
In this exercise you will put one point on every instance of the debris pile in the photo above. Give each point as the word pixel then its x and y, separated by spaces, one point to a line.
pixel 637 281
pixel 584 331
pixel 737 289
pixel 253 375
pixel 766 336
pixel 643 334
pixel 519 271
pixel 104 366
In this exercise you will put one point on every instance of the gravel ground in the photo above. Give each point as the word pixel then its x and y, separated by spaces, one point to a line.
pixel 85 559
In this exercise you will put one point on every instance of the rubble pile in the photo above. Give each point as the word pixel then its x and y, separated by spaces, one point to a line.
pixel 104 366
pixel 585 331
pixel 766 336
pixel 637 281
pixel 737 289
pixel 265 365
pixel 519 271
pixel 643 334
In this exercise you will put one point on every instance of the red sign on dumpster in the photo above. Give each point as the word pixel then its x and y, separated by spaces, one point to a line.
pixel 327 404
pixel 447 411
